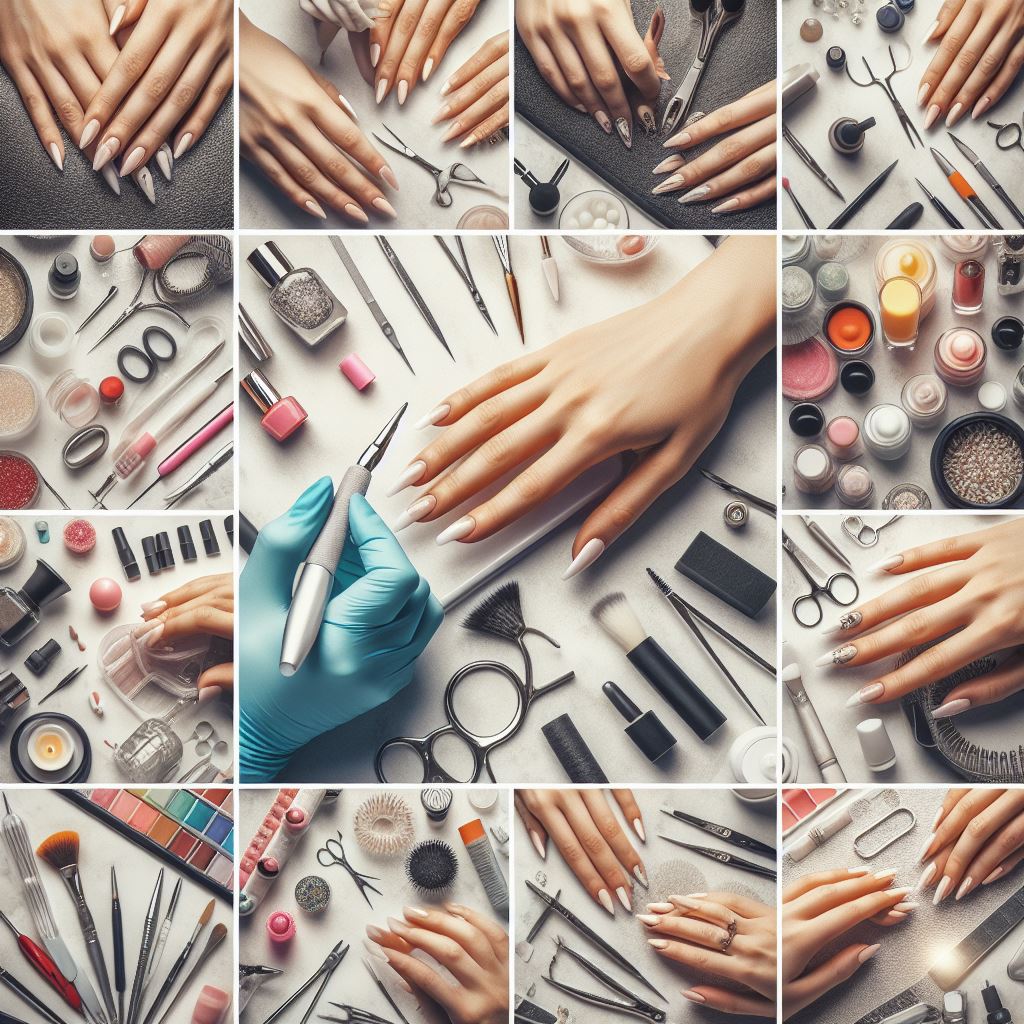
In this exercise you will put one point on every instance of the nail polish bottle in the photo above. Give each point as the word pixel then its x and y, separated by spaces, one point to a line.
pixel 281 416
pixel 298 296
pixel 20 609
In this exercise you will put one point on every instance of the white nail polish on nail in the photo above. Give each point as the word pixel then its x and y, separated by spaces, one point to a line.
pixel 606 901
pixel 886 564
pixel 888 873
pixel 316 209
pixel 937 819
pixel 638 828
pixel 641 877
pixel 144 179
pixel 165 161
pixel 624 898
pixel 427 68
pixel 460 528
pixel 89 133
pixel 110 177
pixel 951 708
pixel 414 513
pixel 925 849
pixel 374 54
pixel 589 554
pixel 415 912
pixel 926 875
pixel 446 88
pixel 965 888
pixel 538 845
pixel 349 109
pixel 183 144
pixel 403 91
pixel 941 890
pixel 840 656
pixel 115 21
pixel 55 156
pixel 433 417
pixel 866 694
pixel 132 160
pixel 410 475
pixel 382 87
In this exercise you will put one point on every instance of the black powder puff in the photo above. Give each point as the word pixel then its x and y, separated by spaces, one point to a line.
pixel 431 866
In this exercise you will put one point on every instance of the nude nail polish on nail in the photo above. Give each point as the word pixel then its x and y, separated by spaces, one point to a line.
pixel 866 695
pixel 454 129
pixel 132 160
pixel 671 184
pixel 403 91
pixel 937 819
pixel 374 54
pixel 409 476
pixel 382 87
pixel 105 153
pixel 115 21
pixel 427 68
pixel 389 176
pixel 153 637
pixel 965 887
pixel 941 890
pixel 316 209
pixel 638 828
pixel 349 109
pixel 356 213
pixel 926 849
pixel 183 144
pixel 670 163
pixel 469 140
pixel 930 32
pixel 373 949
pixel 660 908
pixel 433 417
pixel 589 554
pixel 108 175
pixel 954 114
pixel 165 161
pixel 441 114
pixel 446 88
pixel 992 877
pixel 933 112
pixel 55 156
pixel 89 133
pixel 980 107
pixel 866 954
pixel 144 179
pixel 538 845
pixel 926 875
pixel 694 195
pixel 606 901
pixel 380 203
pixel 414 513
pixel 624 898
pixel 604 121
pixel 888 873
pixel 648 919
pixel 641 876
pixel 415 912
pixel 460 528
pixel 152 606
pixel 886 564
pixel 727 206
pixel 922 93
pixel 694 997
pixel 657 943
pixel 951 708
pixel 682 139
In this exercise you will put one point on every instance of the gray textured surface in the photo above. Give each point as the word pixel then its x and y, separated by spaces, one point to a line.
pixel 343 421
pixel 670 870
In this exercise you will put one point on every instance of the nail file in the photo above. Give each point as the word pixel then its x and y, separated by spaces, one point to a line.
pixel 722 572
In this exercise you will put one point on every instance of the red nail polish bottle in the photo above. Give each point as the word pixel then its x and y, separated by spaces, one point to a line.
pixel 281 416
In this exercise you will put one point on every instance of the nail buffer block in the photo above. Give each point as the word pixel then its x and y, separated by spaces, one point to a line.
pixel 726 575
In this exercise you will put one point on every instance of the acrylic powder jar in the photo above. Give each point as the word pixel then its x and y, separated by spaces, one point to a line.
pixel 924 397
pixel 12 542
pixel 901 257
pixel 809 370
pixel 854 486
pixel 849 328
pixel 960 356
pixel 832 281
pixel 992 396
pixel 795 249
pixel 978 461
pixel 797 291
pixel 51 336
pixel 19 480
pixel 15 300
pixel 963 247
pixel 20 403
pixel 814 472
pixel 73 399
pixel 842 439
pixel 887 432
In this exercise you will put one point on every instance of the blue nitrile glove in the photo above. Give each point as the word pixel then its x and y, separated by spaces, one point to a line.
pixel 378 620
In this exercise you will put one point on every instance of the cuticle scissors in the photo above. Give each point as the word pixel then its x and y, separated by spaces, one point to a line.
pixel 339 859
pixel 885 84
pixel 1014 128
pixel 840 588
pixel 863 533
pixel 136 306
pixel 323 974
pixel 353 1015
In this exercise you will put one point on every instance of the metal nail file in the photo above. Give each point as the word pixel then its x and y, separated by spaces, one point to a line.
pixel 723 832
pixel 989 178
pixel 412 290
pixel 826 542
pixel 367 296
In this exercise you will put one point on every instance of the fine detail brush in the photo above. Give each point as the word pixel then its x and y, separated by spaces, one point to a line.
pixel 549 266
pixel 145 949
pixel 808 223
pixel 44 966
pixel 511 285
pixel 158 949
pixel 117 927
pixel 616 617
pixel 176 967
pixel 61 851
pixel 8 980
pixel 217 935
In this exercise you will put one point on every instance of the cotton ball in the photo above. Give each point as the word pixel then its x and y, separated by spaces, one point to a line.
pixel 573 222
pixel 586 219
pixel 612 216
pixel 600 222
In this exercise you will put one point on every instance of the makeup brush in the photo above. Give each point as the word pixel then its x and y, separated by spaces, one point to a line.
pixel 549 266
pixel 616 617
pixel 145 948
pixel 158 949
pixel 44 966
pixel 808 223
pixel 857 204
pixel 9 981
pixel 61 852
pixel 117 927
pixel 217 935
pixel 172 977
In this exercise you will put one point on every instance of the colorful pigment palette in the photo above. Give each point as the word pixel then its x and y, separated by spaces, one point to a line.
pixel 191 829
pixel 799 804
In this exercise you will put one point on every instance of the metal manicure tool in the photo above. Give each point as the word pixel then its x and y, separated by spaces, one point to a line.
pixel 382 988
pixel 826 542
pixel 512 286
pixel 323 974
pixel 102 304
pixel 864 533
pixel 729 859
pixel 723 832
pixel 412 291
pixel 761 503
pixel 223 456
pixel 885 84
pixel 989 178
pixel 353 1015
pixel 464 271
pixel 333 853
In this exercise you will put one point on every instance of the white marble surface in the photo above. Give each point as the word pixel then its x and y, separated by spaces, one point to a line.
pixel 342 421
pixel 44 813
pixel 996 727
pixel 45 442
pixel 894 368
pixel 835 96
pixel 261 206
pixel 670 870
pixel 348 913
pixel 75 609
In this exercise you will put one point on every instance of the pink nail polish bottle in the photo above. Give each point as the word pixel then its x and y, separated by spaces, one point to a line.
pixel 281 416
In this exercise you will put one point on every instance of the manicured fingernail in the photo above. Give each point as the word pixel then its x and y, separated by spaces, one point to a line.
pixel 868 952
pixel 922 93
pixel 954 114
pixel 105 153
pixel 382 87
pixel 965 887
pixel 403 91
pixel 686 902
pixel 446 88
pixel 638 828
pixel 132 160
pixel 389 176
pixel 144 179
pixel 375 933
pixel 441 114
pixel 373 949
pixel 149 607
pixel 694 997
pixel 380 203
pixel 727 206
pixel 995 874
pixel 470 140
pixel 183 144
pixel 932 116
pixel 840 656
pixel 538 845
pixel 606 901
pixel 951 708
pixel 657 943
pixel 356 213
pixel 695 896
pixel 409 476
pixel 647 120
pixel 460 528
pixel 641 876
pixel 941 890
pixel 980 107
pixel 398 927
pixel 374 54
pixel 589 554
pixel 415 912
pixel 427 68
pixel 682 139
pixel 208 694
pixel 349 109
pixel 414 513
pixel 55 156
pixel 671 183
pixel 938 818
pixel 433 417
pixel 115 21
pixel 931 31
pixel 316 209
pixel 866 694
pixel 110 177
pixel 625 130
pixel 670 163
pixel 624 898
pixel 454 129
pixel 858 871
pixel 927 875
pixel 926 849
pixel 579 106
pixel 887 873
pixel 165 161
pixel 851 620
pixel 906 908
pixel 604 121
pixel 695 195
pixel 660 908
pixel 88 133
pixel 886 564
pixel 153 637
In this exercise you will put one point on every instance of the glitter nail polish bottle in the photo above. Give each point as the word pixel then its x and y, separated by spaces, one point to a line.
pixel 19 609
pixel 298 296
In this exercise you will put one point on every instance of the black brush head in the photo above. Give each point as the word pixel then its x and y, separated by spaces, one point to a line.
pixel 500 614
pixel 432 865
pixel 659 582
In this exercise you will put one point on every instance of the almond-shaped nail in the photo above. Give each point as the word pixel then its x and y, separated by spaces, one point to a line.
pixel 454 129
pixel 133 160
pixel 625 130
pixel 938 817
pixel 409 476
pixel 866 694
pixel 149 607
pixel 165 161
pixel 941 890
pixel 604 121
pixel 992 877
pixel 922 93
pixel 460 528
pixel 356 213
pixel 105 153
pixel 927 875
pixel 88 133
pixel 415 912
pixel 868 952
pixel 538 845
pixel 980 107
pixel 316 209
pixel 382 88
pixel 380 203
pixel 695 195
pixel 670 163
pixel 144 179
pixel 649 919
pixel 414 513
pixel 728 206
pixel 887 873
pixel 589 554
pixel 682 139
pixel 906 908
pixel 428 66
pixel 670 184
pixel 606 901
pixel 926 849
pixel 660 908
pixel 374 54
pixel 375 933
pixel 375 951
pixel 446 88
pixel 432 418
pixel 349 109
pixel 641 876
pixel 657 943
pixel 55 156
pixel 153 637
pixel 931 31
pixel 441 114
pixel 638 828
pixel 624 898
pixel 932 116
pixel 692 995
pixel 389 176
pixel 183 144
pixel 115 21
pixel 403 91
pixel 886 564
pixel 954 114
pixel 840 656
pixel 110 177
pixel 951 708
pixel 965 887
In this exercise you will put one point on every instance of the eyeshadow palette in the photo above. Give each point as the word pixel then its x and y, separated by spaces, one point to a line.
pixel 193 830
pixel 800 804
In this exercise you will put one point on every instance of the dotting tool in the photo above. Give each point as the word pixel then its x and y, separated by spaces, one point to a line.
pixel 306 612
pixel 855 207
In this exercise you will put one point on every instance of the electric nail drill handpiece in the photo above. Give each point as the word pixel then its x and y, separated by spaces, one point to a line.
pixel 313 589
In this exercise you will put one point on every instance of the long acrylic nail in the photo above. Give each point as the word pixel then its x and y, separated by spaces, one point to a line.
pixel 927 875
pixel 965 887
pixel 106 153
pixel 165 161
pixel 670 163
pixel 941 890
pixel 886 564
pixel 432 418
pixel 649 919
pixel 88 133
pixel 316 209
pixel 538 845
pixel 470 140
pixel 606 901
pixel 867 953
pixel 660 908
pixel 866 694
pixel 375 933
pixel 954 114
pixel 184 143
pixel 906 908
pixel 589 554
pixel 647 120
pixel 951 708
pixel 460 528
pixel 403 91
pixel 695 195
pixel 926 849
pixel 728 206
pixel 922 93
pixel 374 54
pixel 382 88
pixel 414 513
pixel 415 912
pixel 380 203
pixel 349 109
pixel 446 88
pixel 992 877
pixel 604 121
pixel 454 129
pixel 110 177
pixel 641 876
pixel 682 139
pixel 115 21
pixel 356 213
pixel 932 116
pixel 692 995
pixel 144 179
pixel 398 927
pixel 373 949
pixel 409 476
pixel 624 898
pixel 55 156
pixel 670 184
pixel 132 160
pixel 938 817
pixel 887 873
pixel 442 114
pixel 625 130
pixel 149 607
pixel 931 31
pixel 638 828
pixel 851 620
pixel 153 637
pixel 427 68
pixel 389 176
pixel 980 107
pixel 840 656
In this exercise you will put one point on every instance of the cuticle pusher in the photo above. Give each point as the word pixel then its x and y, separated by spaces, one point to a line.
pixel 723 832
pixel 729 859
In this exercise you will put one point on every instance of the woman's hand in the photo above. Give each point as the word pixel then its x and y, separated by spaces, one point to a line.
pixel 582 49
pixel 741 166
pixel 171 76
pixel 980 55
pixel 590 839
pixel 302 135
pixel 477 94
pixel 411 38
pixel 553 414
pixel 468 945
pixel 820 908
pixel 973 598
pixel 977 838
pixel 726 935
pixel 351 15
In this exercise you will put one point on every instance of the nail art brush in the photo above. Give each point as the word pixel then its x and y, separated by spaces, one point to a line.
pixel 217 935
pixel 145 948
pixel 102 303
pixel 826 542
pixel 309 599
pixel 808 223
pixel 587 932
pixel 989 178
pixel 801 151
pixel 158 949
pixel 9 981
pixel 855 207
pixel 729 859
pixel 761 503
pixel 412 291
pixel 66 681
pixel 464 271
pixel 723 832
pixel 367 296
pixel 383 991
pixel 44 966
pixel 325 971
pixel 944 211
pixel 117 927
pixel 178 965
pixel 549 266
pixel 965 191
pixel 501 248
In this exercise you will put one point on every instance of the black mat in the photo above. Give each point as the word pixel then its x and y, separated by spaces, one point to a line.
pixel 743 59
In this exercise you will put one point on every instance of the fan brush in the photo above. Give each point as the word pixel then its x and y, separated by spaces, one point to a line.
pixel 501 614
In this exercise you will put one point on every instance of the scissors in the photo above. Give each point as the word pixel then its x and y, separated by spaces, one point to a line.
pixel 457 173
pixel 886 86
pixel 1012 132
pixel 840 588
pixel 462 267
pixel 149 356
pixel 136 306
pixel 323 974
pixel 333 853
pixel 353 1015
pixel 863 533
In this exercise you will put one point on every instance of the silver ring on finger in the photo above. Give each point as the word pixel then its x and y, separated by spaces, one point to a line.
pixel 730 934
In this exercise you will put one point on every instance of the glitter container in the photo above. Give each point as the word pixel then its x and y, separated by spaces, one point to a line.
pixel 20 403
pixel 887 432
pixel 960 355
pixel 854 486
pixel 832 281
pixel 15 300
pixel 19 481
pixel 925 398
pixel 797 291
pixel 978 462
pixel 814 472
pixel 73 399
pixel 842 439
pixel 12 542
pixel 907 498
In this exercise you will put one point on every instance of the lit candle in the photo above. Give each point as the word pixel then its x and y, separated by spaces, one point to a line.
pixel 51 748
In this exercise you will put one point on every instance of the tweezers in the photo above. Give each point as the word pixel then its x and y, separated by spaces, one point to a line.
pixel 323 974
pixel 412 290
pixel 353 1015
pixel 66 681
pixel 723 832
pixel 632 1003
pixel 761 503
pixel 465 272
pixel 730 859
pixel 587 932
pixel 383 990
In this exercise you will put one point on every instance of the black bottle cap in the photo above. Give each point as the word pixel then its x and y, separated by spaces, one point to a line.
pixel 39 661
pixel 645 730
pixel 890 18
pixel 247 533
pixel 544 198
pixel 149 553
pixel 997 1013
pixel 806 420
pixel 835 58
pixel 210 545
pixel 64 275
pixel 188 548
pixel 1008 333
pixel 857 377
pixel 44 585
pixel 906 6
pixel 164 551
pixel 126 555
pixel 907 218
pixel 229 529
pixel 851 132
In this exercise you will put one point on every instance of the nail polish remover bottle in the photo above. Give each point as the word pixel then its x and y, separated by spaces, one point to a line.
pixel 19 609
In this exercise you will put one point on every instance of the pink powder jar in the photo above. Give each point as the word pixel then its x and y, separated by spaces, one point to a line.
pixel 854 486
pixel 960 356
pixel 842 439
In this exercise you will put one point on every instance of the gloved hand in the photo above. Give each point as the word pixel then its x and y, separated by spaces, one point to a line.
pixel 380 617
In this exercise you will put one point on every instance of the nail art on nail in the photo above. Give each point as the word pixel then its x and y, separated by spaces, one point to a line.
pixel 414 513
pixel 670 163
pixel 851 620
pixel 88 133
pixel 694 195
pixel 589 554
pixel 727 206
pixel 316 209
pixel 55 156
pixel 886 564
pixel 165 161
pixel 184 143
pixel 671 183
pixel 606 901
pixel 951 708
pixel 460 528
pixel 625 130
pixel 624 898
pixel 648 121
pixel 840 656
pixel 604 121
pixel 641 876
pixel 866 695
pixel 144 179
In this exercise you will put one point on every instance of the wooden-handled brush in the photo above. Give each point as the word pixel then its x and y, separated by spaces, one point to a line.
pixel 61 852
pixel 172 977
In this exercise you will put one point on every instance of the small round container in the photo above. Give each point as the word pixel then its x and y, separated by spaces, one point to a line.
pixel 797 291
pixel 51 747
pixel 795 249
pixel 849 328
pixel 978 462
pixel 20 403
pixel 887 432
pixel 960 355
pixel 280 927
pixel 64 277
pixel 907 257
pixel 854 486
pixel 73 399
pixel 79 536
pixel 1008 333
pixel 857 377
pixel 900 311
pixel 809 370
pixel 806 420
pixel 925 398
pixel 832 281
pixel 51 336
pixel 827 247
pixel 12 542
pixel 19 480
pixel 907 498
pixel 595 210
pixel 963 247
pixel 968 287
pixel 814 472
pixel 483 218
pixel 102 248
pixel 992 396
pixel 1018 388
pixel 607 250
pixel 842 439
